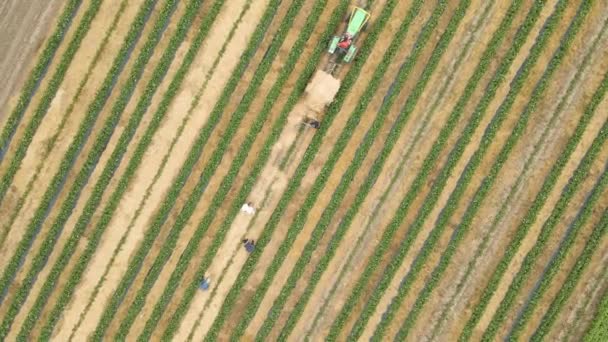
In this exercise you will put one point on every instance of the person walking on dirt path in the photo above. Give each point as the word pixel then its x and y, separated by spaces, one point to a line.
pixel 249 245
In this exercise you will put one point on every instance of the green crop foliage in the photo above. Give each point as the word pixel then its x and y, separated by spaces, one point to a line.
pixel 214 162
pixel 40 69
pixel 195 101
pixel 68 114
pixel 297 91
pixel 364 149
pixel 487 183
pixel 598 331
pixel 565 246
pixel 530 215
pixel 309 154
pixel 47 97
pixel 76 145
pixel 568 286
pixel 347 220
pixel 428 165
pixel 109 169
pixel 226 183
pixel 574 83
pixel 193 156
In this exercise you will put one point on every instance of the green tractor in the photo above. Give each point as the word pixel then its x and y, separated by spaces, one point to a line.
pixel 344 46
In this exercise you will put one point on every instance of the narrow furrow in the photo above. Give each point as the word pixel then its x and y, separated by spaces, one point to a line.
pixel 81 137
pixel 334 108
pixel 161 216
pixel 35 78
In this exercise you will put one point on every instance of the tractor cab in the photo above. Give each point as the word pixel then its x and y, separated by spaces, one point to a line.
pixel 357 21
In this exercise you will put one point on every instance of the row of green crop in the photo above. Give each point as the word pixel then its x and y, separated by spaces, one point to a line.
pixel 465 178
pixel 598 331
pixel 433 156
pixel 570 328
pixel 558 258
pixel 111 166
pixel 79 140
pixel 574 83
pixel 555 263
pixel 214 161
pixel 292 148
pixel 250 180
pixel 50 92
pixel 574 276
pixel 51 143
pixel 478 199
pixel 309 155
pixel 364 190
pixel 305 296
pixel 535 208
pixel 32 83
pixel 162 214
pixel 205 26
pixel 362 151
pixel 223 272
pixel 237 163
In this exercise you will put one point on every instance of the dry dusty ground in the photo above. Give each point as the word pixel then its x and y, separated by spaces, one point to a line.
pixel 19 47
pixel 448 307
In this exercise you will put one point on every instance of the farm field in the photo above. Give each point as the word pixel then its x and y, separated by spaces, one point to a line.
pixel 442 176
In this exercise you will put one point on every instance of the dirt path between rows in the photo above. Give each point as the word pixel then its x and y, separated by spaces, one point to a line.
pixel 552 45
pixel 483 222
pixel 161 143
pixel 273 181
pixel 24 26
pixel 49 170
pixel 91 43
pixel 579 310
pixel 464 32
pixel 564 269
pixel 193 222
pixel 261 224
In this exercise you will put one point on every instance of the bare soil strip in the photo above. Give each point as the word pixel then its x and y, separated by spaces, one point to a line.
pixel 130 201
pixel 18 47
pixel 454 278
pixel 187 234
pixel 416 205
pixel 578 313
pixel 343 291
pixel 41 185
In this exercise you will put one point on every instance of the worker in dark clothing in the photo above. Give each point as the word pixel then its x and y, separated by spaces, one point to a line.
pixel 312 123
pixel 249 245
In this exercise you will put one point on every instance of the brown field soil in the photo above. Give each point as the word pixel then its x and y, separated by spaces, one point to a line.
pixel 221 171
pixel 481 226
pixel 49 171
pixel 19 48
pixel 230 258
pixel 531 190
pixel 452 301
pixel 100 26
pixel 365 210
pixel 580 309
pixel 129 203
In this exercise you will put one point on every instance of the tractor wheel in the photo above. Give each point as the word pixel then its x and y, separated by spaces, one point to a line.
pixel 364 28
pixel 347 17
